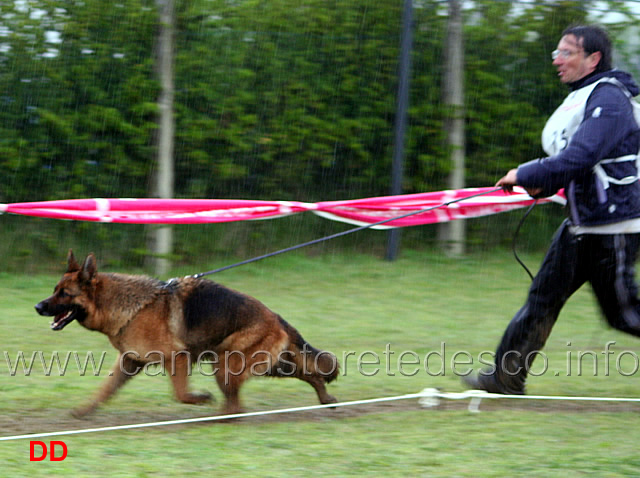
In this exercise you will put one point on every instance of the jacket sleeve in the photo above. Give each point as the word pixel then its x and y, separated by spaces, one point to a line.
pixel 604 126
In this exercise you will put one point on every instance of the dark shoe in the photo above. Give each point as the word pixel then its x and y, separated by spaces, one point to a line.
pixel 489 383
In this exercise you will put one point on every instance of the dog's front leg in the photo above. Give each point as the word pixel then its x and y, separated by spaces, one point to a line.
pixel 180 371
pixel 120 373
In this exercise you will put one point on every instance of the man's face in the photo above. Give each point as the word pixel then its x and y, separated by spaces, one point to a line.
pixel 572 62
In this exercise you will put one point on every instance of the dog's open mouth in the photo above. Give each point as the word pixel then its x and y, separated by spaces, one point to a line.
pixel 60 321
pixel 63 314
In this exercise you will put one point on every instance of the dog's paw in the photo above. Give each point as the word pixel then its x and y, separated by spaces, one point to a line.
pixel 197 398
pixel 81 412
pixel 330 399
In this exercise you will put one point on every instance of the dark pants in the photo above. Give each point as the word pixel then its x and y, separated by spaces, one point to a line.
pixel 605 261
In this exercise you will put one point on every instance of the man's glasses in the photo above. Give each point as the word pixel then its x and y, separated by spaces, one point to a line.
pixel 564 54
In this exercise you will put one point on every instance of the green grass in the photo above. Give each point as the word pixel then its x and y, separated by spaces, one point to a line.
pixel 354 306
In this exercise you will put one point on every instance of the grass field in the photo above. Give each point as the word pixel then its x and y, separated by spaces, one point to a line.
pixel 359 308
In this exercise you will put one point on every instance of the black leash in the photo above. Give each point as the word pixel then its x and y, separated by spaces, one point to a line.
pixel 343 233
pixel 515 237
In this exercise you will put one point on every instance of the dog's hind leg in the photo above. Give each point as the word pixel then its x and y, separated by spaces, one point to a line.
pixel 120 373
pixel 180 371
pixel 318 384
pixel 312 366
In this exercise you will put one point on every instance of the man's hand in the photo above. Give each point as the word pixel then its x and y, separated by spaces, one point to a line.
pixel 509 180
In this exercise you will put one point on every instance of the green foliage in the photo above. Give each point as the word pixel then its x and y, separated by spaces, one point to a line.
pixel 289 102
pixel 79 105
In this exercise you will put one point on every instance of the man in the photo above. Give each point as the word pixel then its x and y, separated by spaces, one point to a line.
pixel 593 142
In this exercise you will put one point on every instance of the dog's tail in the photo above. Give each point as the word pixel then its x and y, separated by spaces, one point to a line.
pixel 308 360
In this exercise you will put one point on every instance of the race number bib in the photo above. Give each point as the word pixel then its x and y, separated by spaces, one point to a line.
pixel 564 122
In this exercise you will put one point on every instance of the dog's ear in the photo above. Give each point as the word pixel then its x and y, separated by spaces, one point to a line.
pixel 72 264
pixel 89 268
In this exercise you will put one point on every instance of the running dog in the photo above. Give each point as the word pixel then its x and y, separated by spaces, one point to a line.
pixel 182 321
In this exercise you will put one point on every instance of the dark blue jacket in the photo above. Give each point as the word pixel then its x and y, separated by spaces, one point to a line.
pixel 610 134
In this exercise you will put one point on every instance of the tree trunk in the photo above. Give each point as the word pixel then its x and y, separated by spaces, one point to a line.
pixel 452 235
pixel 161 237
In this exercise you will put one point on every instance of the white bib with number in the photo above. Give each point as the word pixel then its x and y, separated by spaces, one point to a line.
pixel 565 121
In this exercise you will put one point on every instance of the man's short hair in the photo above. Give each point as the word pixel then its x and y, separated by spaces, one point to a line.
pixel 593 38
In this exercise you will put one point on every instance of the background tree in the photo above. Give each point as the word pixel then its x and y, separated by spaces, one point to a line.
pixel 451 235
pixel 160 238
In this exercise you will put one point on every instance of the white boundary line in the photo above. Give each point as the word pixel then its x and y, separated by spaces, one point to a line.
pixel 429 397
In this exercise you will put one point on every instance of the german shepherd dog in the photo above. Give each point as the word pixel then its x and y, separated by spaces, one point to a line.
pixel 182 321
